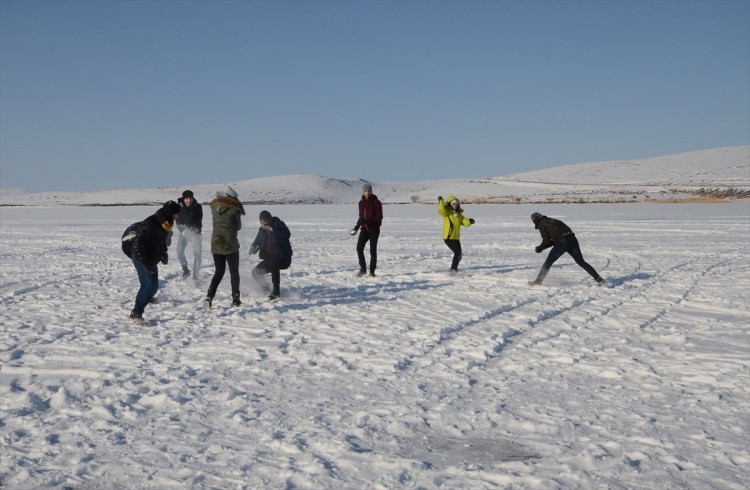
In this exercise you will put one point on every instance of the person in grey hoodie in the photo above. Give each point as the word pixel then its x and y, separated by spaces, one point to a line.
pixel 227 212
pixel 561 238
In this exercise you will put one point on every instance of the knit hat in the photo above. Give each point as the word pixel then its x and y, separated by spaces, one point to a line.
pixel 455 200
pixel 187 193
pixel 170 208
pixel 536 217
pixel 265 216
pixel 367 188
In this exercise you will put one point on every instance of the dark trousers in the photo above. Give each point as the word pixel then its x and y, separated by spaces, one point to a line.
pixel 455 246
pixel 570 245
pixel 364 236
pixel 221 261
pixel 272 265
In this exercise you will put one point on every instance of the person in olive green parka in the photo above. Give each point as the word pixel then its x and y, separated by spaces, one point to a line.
pixel 226 211
pixel 453 220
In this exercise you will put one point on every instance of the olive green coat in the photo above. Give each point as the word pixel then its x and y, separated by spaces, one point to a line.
pixel 227 220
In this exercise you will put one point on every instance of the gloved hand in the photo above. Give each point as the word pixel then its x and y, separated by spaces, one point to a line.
pixel 538 249
pixel 471 220
pixel 440 198
pixel 354 230
pixel 254 249
pixel 165 258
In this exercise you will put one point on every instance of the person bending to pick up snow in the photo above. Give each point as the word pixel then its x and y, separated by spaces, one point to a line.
pixel 275 250
pixel 561 238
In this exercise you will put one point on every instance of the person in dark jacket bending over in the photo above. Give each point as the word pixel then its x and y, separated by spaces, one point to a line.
pixel 189 223
pixel 149 248
pixel 370 219
pixel 561 238
pixel 275 250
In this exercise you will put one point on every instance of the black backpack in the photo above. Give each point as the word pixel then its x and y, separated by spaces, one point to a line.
pixel 127 237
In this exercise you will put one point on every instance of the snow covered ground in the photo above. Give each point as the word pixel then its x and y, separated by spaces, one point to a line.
pixel 413 379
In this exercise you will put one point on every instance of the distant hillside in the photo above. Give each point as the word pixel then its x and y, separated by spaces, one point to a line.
pixel 719 174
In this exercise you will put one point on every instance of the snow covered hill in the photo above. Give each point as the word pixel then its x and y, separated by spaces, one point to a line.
pixel 722 173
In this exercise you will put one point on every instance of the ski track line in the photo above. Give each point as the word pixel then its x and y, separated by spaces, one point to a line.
pixel 509 336
pixel 634 292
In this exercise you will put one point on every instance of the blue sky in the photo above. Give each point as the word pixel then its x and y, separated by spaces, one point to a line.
pixel 98 95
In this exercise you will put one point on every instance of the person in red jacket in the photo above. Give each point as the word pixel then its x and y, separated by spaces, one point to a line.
pixel 561 238
pixel 370 219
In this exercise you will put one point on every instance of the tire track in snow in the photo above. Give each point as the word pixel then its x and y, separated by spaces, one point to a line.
pixel 633 292
pixel 574 303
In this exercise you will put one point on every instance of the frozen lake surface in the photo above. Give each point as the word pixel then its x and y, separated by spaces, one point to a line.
pixel 413 379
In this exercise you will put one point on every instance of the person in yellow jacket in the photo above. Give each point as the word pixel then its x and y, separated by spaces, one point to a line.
pixel 453 220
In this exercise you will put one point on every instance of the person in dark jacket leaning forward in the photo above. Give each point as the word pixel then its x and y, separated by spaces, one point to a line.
pixel 561 238
pixel 149 248
pixel 272 241
pixel 370 219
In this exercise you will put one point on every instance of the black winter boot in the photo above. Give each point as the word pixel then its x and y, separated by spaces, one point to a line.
pixel 236 300
pixel 185 272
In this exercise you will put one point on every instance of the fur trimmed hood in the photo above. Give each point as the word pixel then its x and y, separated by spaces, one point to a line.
pixel 227 202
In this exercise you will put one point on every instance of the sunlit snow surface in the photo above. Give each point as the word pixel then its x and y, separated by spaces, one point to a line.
pixel 413 379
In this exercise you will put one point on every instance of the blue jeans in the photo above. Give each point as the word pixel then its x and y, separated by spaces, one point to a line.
pixel 149 285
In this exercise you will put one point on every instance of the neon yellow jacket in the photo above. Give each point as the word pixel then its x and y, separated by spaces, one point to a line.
pixel 452 221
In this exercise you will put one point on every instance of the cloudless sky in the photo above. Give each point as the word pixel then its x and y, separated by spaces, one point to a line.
pixel 98 95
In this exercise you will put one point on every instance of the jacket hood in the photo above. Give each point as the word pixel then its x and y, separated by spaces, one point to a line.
pixel 536 218
pixel 228 202
pixel 459 209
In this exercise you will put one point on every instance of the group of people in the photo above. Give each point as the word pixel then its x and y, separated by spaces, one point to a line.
pixel 151 239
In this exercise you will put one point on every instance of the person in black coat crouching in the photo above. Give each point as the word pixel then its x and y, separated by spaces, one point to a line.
pixel 561 238
pixel 149 248
pixel 275 250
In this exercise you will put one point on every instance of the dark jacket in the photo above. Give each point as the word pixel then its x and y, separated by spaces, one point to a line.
pixel 552 230
pixel 370 213
pixel 227 220
pixel 190 217
pixel 273 240
pixel 152 240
